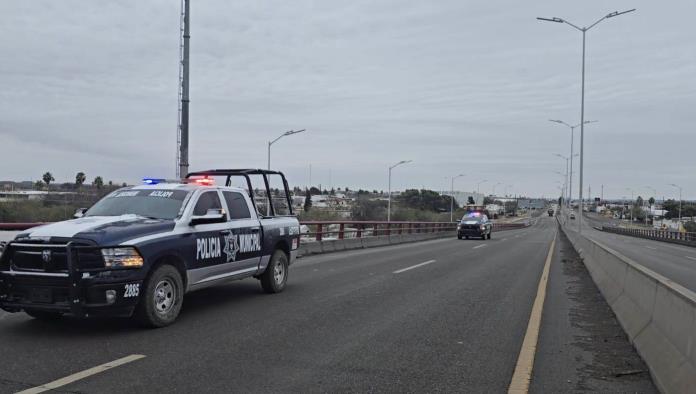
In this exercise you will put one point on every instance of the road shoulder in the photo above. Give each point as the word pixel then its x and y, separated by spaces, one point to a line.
pixel 581 345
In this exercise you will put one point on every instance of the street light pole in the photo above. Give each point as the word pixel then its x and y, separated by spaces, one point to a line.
pixel 389 196
pixel 291 132
pixel 478 186
pixel 572 139
pixel 499 183
pixel 452 196
pixel 680 200
pixel 582 95
pixel 632 203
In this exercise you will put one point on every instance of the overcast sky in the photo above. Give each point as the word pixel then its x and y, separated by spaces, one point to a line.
pixel 456 86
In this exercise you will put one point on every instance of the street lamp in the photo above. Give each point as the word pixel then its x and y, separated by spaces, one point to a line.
pixel 582 95
pixel 479 184
pixel 680 199
pixel 632 202
pixel 499 183
pixel 389 197
pixel 567 159
pixel 649 207
pixel 572 138
pixel 291 132
pixel 452 196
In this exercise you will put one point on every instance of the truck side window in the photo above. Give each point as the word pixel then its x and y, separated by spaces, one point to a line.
pixel 207 200
pixel 237 205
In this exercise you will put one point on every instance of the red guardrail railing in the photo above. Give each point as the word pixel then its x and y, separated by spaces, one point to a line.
pixel 346 228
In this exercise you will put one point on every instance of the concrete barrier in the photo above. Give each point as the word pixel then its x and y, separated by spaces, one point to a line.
pixel 311 248
pixel 658 315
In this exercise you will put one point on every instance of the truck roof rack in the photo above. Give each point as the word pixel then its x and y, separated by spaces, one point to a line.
pixel 246 172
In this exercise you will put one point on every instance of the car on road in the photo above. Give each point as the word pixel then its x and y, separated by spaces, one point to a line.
pixel 572 216
pixel 474 224
pixel 138 250
pixel 550 212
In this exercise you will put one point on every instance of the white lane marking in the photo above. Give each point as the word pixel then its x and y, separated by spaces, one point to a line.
pixel 650 247
pixel 504 239
pixel 690 258
pixel 414 266
pixel 480 246
pixel 517 236
pixel 525 362
pixel 82 375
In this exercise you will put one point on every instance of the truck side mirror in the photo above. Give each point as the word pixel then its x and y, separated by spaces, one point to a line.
pixel 80 212
pixel 212 216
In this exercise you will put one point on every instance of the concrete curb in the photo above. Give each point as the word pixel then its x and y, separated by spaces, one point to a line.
pixel 658 315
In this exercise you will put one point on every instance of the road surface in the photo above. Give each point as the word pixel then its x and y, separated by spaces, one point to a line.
pixel 436 316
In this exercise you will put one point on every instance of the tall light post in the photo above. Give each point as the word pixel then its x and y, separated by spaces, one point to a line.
pixel 567 159
pixel 632 202
pixel 649 207
pixel 680 199
pixel 499 183
pixel 389 197
pixel 452 196
pixel 582 94
pixel 287 133
pixel 572 139
pixel 478 185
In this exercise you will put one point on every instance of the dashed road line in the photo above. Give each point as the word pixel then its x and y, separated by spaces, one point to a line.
pixel 691 258
pixel 650 247
pixel 82 375
pixel 504 239
pixel 480 246
pixel 525 362
pixel 414 266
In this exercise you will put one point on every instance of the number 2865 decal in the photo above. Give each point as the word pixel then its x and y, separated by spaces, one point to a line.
pixel 132 290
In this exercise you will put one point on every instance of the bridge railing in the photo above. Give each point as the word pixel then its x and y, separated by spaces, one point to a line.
pixel 334 229
pixel 657 234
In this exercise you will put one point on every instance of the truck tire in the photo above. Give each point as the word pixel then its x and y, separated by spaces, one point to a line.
pixel 275 277
pixel 161 297
pixel 43 315
pixel 459 236
pixel 489 235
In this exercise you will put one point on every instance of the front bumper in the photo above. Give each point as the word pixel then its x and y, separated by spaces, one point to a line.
pixel 81 293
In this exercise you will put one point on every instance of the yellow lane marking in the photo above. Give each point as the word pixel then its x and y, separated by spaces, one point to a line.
pixel 525 362
pixel 81 375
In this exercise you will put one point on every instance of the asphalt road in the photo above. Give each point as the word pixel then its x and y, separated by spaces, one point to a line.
pixel 436 316
pixel 673 261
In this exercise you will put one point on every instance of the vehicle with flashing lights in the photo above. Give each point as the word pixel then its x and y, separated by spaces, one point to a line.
pixel 550 211
pixel 138 250
pixel 475 224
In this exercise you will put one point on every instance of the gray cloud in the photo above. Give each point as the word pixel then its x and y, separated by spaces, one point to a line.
pixel 456 86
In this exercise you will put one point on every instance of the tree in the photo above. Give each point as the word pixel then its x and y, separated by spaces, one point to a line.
pixel 48 178
pixel 38 184
pixel 470 201
pixel 98 182
pixel 124 184
pixel 314 191
pixel 651 201
pixel 111 183
pixel 307 201
pixel 80 179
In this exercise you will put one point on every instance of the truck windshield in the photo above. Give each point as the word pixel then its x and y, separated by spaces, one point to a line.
pixel 152 203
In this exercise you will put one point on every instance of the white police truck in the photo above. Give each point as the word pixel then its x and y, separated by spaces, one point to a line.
pixel 139 249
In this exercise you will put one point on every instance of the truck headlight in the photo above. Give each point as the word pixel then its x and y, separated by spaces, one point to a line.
pixel 122 258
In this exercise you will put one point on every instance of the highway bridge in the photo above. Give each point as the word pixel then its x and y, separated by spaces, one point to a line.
pixel 517 313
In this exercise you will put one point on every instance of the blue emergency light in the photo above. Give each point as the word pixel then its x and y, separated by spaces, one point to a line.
pixel 152 181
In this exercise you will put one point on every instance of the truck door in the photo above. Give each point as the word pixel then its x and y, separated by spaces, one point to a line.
pixel 209 258
pixel 243 240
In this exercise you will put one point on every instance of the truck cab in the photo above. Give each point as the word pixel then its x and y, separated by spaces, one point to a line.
pixel 139 249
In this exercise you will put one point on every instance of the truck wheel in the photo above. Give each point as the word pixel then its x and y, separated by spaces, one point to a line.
pixel 489 235
pixel 161 298
pixel 459 236
pixel 43 315
pixel 275 277
pixel 467 237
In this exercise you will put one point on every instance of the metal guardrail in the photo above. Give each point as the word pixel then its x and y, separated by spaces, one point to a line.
pixel 655 234
pixel 361 229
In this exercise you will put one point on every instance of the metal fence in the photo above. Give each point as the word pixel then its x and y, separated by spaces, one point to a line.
pixel 659 235
pixel 320 230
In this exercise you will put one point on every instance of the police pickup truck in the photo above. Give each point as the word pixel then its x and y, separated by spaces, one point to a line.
pixel 138 250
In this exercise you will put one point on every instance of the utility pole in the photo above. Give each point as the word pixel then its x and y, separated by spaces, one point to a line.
pixel 183 132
